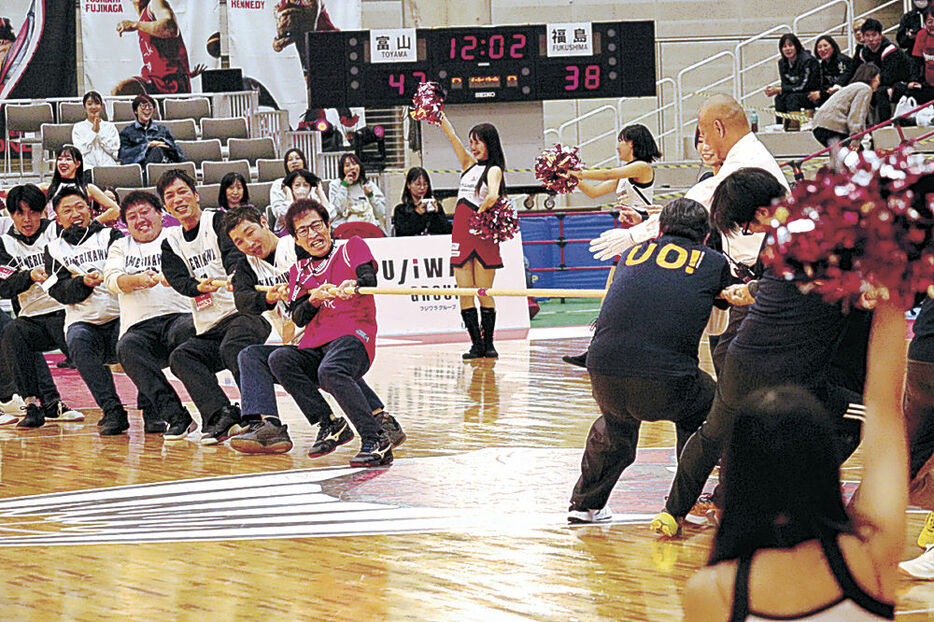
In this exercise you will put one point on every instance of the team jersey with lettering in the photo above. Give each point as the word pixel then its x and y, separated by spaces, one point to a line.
pixel 655 311
pixel 19 256
pixel 128 257
pixel 77 252
pixel 336 318
pixel 203 260
pixel 268 274
pixel 165 59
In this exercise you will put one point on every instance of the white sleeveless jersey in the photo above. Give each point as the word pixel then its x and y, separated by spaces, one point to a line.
pixel 627 194
pixel 467 191
pixel 202 256
pixel 88 256
pixel 127 257
pixel 268 275
pixel 35 300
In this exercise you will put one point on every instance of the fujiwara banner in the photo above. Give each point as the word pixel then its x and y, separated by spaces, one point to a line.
pixel 165 54
pixel 40 61
pixel 267 38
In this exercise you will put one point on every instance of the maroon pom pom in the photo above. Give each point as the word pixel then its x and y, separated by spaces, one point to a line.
pixel 428 103
pixel 553 165
pixel 863 228
pixel 498 223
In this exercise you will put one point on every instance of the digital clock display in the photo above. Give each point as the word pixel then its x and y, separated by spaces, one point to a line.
pixel 482 64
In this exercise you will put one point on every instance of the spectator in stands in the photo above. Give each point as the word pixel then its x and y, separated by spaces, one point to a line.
pixel 858 37
pixel 800 75
pixel 280 196
pixel 836 69
pixel 97 139
pixel 233 192
pixel 783 508
pixel 921 86
pixel 303 184
pixel 69 173
pixel 707 155
pixel 143 141
pixel 896 71
pixel 354 198
pixel 847 110
pixel 910 25
pixel 419 213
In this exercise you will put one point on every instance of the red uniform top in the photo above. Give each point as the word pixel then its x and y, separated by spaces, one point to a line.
pixel 165 60
pixel 924 49
pixel 336 318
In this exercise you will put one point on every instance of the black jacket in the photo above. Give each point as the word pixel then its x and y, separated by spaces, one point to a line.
pixel 409 222
pixel 910 25
pixel 837 70
pixel 890 59
pixel 801 77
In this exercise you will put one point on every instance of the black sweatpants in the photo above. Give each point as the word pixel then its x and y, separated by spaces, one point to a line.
pixel 48 393
pixel 144 351
pixel 625 403
pixel 197 361
pixel 23 340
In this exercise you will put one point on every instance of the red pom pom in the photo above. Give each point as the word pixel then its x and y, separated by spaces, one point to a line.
pixel 428 103
pixel 863 228
pixel 553 165
pixel 498 223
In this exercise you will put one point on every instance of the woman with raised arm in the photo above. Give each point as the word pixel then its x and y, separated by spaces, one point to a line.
pixel 787 547
pixel 476 260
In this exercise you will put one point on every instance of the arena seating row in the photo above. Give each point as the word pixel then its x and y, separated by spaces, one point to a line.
pixel 208 171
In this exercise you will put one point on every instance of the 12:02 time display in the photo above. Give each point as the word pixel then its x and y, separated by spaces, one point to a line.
pixel 492 47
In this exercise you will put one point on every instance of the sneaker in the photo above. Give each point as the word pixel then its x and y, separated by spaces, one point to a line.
pixel 15 406
pixel 33 419
pixel 921 567
pixel 263 437
pixel 579 517
pixel 704 513
pixel 8 419
pixel 179 428
pixel 926 537
pixel 222 426
pixel 331 435
pixel 579 361
pixel 155 426
pixel 61 412
pixel 666 525
pixel 114 422
pixel 374 452
pixel 391 427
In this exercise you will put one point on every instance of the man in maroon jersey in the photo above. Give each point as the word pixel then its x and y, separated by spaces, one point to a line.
pixel 165 58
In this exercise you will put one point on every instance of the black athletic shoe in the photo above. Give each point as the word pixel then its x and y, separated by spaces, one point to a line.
pixel 33 419
pixel 60 412
pixel 114 422
pixel 374 452
pixel 331 435
pixel 222 426
pixel 155 426
pixel 180 427
pixel 263 437
pixel 66 364
pixel 391 427
pixel 580 360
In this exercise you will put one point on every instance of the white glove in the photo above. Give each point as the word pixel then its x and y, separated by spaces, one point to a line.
pixel 611 243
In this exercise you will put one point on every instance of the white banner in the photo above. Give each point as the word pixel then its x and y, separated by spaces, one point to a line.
pixel 117 63
pixel 570 39
pixel 425 261
pixel 395 45
pixel 263 36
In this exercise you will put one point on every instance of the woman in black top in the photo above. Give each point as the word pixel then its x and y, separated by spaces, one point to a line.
pixel 836 69
pixel 419 213
pixel 800 74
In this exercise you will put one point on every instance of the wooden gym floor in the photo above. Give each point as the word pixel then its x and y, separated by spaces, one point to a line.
pixel 468 524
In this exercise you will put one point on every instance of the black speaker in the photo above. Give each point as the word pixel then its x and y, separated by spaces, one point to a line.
pixel 222 80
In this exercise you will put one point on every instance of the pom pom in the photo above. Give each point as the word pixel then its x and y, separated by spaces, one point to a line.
pixel 499 223
pixel 553 166
pixel 428 103
pixel 862 229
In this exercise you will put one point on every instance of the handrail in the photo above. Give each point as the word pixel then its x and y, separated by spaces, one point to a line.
pixel 737 57
pixel 679 109
pixel 849 12
pixel 586 115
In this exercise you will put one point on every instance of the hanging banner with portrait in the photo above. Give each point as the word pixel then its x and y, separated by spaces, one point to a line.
pixel 153 46
pixel 267 38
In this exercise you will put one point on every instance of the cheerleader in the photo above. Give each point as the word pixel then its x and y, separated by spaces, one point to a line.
pixel 475 260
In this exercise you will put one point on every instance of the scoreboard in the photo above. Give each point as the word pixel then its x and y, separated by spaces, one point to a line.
pixel 482 64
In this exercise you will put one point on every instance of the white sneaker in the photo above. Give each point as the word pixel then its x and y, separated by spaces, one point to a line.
pixel 6 419
pixel 62 412
pixel 16 407
pixel 921 567
pixel 603 515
